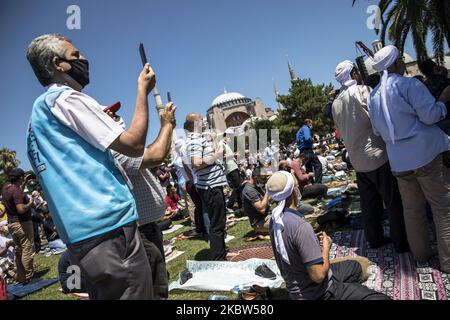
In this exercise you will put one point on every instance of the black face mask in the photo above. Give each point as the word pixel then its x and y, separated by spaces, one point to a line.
pixel 79 71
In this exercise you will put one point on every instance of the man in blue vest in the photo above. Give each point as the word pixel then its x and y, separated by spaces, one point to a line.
pixel 304 139
pixel 69 141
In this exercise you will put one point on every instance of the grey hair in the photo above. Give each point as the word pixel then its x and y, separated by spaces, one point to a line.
pixel 40 54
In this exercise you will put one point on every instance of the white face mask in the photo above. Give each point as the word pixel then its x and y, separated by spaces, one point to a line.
pixel 121 123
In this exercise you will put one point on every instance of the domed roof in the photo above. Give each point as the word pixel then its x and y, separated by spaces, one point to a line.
pixel 227 97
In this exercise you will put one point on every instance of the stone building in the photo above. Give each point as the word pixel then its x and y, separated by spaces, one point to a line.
pixel 232 110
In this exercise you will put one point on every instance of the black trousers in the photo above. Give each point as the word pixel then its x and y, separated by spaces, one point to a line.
pixel 198 213
pixel 315 190
pixel 235 183
pixel 215 204
pixel 115 265
pixel 375 188
pixel 152 239
pixel 313 164
pixel 347 278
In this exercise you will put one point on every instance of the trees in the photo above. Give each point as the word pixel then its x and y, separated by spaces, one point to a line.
pixel 418 19
pixel 8 160
pixel 305 100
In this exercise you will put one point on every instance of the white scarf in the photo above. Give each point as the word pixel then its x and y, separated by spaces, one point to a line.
pixel 343 75
pixel 277 215
pixel 383 59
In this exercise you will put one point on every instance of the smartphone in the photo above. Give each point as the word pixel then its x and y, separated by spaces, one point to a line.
pixel 143 55
pixel 169 96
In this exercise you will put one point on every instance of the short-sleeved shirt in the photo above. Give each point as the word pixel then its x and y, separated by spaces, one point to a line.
pixel 148 191
pixel 250 195
pixel 303 249
pixel 67 145
pixel 212 175
pixel 172 202
pixel 230 163
pixel 12 196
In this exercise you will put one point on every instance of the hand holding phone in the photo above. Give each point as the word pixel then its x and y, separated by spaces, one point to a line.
pixel 143 55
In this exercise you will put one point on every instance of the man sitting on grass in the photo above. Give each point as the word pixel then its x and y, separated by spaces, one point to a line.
pixel 303 257
pixel 256 201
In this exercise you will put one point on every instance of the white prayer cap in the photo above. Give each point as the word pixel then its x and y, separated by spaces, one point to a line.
pixel 343 72
pixel 296 153
pixel 280 185
pixel 385 58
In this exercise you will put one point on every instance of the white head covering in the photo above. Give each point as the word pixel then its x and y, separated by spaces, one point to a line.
pixel 343 73
pixel 277 213
pixel 383 59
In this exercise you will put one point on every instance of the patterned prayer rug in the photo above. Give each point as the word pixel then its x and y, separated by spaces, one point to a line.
pixel 260 251
pixel 396 275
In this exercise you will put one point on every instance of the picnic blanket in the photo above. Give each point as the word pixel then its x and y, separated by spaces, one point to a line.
pixel 20 290
pixel 396 275
pixel 226 276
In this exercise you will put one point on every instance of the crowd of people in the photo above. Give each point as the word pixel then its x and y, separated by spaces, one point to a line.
pixel 127 192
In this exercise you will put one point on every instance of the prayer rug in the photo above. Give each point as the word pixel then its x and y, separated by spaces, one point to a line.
pixel 396 275
pixel 21 290
pixel 262 251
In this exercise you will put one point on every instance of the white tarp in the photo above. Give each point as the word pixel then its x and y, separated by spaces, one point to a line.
pixel 227 276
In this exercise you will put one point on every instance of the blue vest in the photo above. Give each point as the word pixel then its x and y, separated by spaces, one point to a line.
pixel 86 193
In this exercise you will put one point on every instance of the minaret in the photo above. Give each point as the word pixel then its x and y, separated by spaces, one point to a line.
pixel 291 70
pixel 277 94
pixel 158 101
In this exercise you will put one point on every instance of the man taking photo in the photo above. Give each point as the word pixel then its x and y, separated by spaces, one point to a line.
pixel 69 141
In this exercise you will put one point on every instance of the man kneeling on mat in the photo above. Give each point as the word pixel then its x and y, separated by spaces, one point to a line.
pixel 303 257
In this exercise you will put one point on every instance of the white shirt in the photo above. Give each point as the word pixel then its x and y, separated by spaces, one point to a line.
pixel 92 124
pixel 324 163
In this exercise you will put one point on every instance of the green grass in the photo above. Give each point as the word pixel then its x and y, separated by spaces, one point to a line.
pixel 195 249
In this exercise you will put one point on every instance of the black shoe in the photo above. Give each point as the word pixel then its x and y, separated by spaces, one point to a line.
pixel 193 233
pixel 265 272
pixel 185 276
pixel 380 244
pixel 255 293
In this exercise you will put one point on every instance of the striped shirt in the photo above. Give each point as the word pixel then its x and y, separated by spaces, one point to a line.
pixel 148 191
pixel 211 176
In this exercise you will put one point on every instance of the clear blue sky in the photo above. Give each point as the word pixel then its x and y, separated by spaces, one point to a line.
pixel 196 47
